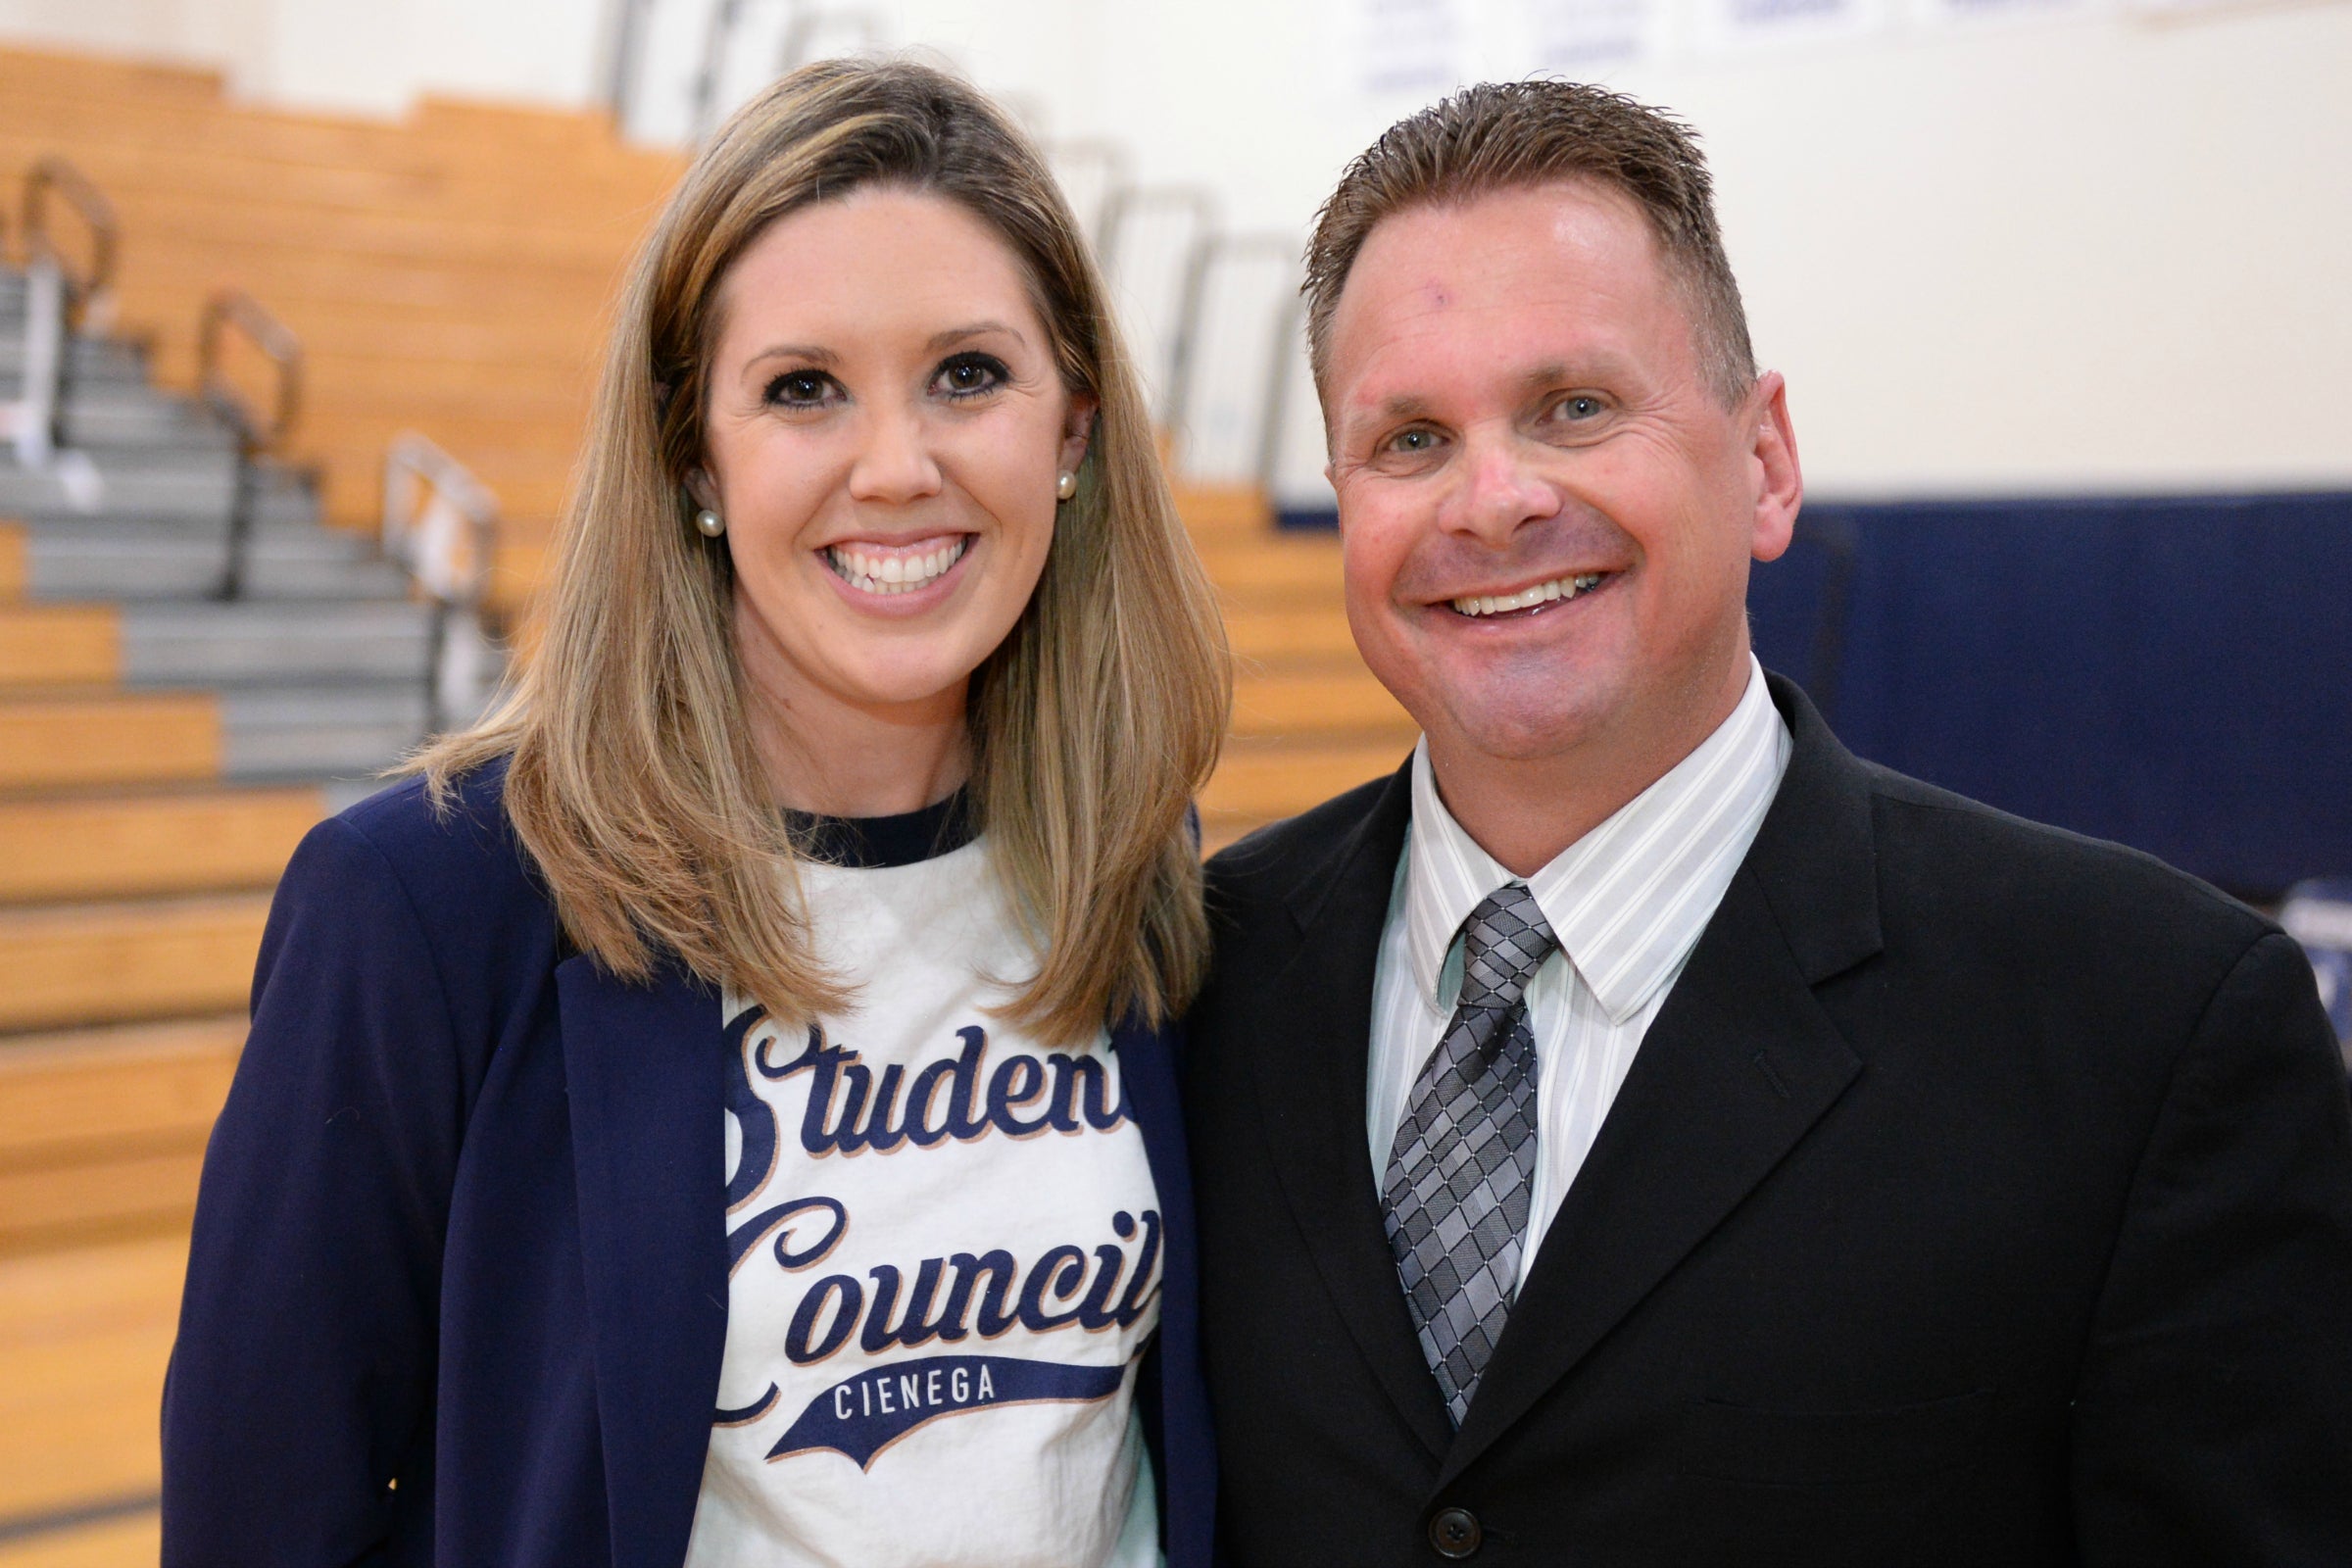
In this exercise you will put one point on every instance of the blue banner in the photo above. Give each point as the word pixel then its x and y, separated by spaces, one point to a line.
pixel 860 1417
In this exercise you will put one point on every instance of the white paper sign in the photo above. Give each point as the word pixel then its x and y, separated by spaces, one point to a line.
pixel 1743 25
pixel 1405 48
pixel 1585 38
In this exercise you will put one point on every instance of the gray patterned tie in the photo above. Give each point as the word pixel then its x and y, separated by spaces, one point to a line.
pixel 1464 1161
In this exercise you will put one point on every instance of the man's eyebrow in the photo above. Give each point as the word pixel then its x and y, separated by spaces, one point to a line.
pixel 1596 364
pixel 959 335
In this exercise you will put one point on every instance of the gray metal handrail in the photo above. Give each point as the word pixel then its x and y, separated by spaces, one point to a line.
pixel 452 564
pixel 1280 356
pixel 716 40
pixel 1192 313
pixel 97 215
pixel 228 309
pixel 441 526
pixel 1112 158
pixel 620 69
pixel 33 420
pixel 800 22
pixel 1125 201
pixel 1123 204
pixel 801 30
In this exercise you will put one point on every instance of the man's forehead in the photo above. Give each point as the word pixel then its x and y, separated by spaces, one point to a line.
pixel 1521 285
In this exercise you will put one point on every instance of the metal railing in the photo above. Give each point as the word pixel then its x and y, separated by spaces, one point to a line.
pixel 1127 204
pixel 1282 355
pixel 628 34
pixel 59 298
pixel 807 24
pixel 1191 318
pixel 229 310
pixel 804 23
pixel 89 293
pixel 1070 158
pixel 441 526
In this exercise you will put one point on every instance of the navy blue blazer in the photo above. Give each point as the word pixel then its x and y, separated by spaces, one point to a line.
pixel 458 1292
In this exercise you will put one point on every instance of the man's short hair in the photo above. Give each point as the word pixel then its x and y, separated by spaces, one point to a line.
pixel 1512 134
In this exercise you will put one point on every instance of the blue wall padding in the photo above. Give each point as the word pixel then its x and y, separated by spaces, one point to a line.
pixel 2175 672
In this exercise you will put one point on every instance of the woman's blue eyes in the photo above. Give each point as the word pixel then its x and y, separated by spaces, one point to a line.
pixel 966 375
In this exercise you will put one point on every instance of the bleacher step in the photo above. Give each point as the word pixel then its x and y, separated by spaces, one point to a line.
pixel 308 731
pixel 1298 635
pixel 58 645
pixel 1273 573
pixel 118 416
pixel 1318 706
pixel 70 965
pixel 142 844
pixel 56 740
pixel 1262 780
pixel 102 1131
pixel 95 361
pixel 127 558
pixel 85 1335
pixel 199 644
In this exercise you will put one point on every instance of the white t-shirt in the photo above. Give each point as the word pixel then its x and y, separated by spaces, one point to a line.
pixel 945 1253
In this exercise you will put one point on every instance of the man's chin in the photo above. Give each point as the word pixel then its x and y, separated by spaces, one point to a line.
pixel 1501 732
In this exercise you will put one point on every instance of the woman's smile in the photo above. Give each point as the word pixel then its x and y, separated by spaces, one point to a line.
pixel 874 570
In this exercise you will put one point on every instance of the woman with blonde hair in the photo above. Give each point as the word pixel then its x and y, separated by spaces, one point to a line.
pixel 722 1110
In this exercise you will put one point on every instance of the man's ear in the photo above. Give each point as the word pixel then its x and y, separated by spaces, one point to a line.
pixel 1772 457
pixel 1077 432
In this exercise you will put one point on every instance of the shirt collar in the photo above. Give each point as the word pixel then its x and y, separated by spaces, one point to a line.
pixel 1629 899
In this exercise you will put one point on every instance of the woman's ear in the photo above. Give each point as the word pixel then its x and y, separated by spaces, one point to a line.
pixel 1076 431
pixel 705 493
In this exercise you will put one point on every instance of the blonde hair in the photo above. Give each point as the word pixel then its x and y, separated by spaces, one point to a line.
pixel 631 779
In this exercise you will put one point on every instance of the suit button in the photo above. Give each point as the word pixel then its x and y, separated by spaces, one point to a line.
pixel 1455 1533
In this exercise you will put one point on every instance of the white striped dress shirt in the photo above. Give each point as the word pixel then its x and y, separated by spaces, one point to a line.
pixel 1627 902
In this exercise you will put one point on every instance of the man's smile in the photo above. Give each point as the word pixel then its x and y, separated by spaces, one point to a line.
pixel 1531 600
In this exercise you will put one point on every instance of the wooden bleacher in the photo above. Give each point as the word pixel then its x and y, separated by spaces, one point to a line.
pixel 450 273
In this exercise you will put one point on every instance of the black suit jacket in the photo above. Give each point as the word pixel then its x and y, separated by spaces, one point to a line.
pixel 1982 1194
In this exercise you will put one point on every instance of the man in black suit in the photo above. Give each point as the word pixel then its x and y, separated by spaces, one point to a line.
pixel 1639 1131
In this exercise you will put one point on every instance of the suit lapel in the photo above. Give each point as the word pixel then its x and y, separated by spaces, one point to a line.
pixel 643 1068
pixel 1740 1064
pixel 1314 1038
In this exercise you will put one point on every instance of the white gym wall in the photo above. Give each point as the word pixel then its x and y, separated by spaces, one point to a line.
pixel 2091 251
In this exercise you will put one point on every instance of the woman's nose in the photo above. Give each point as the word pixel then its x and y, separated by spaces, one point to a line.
pixel 893 463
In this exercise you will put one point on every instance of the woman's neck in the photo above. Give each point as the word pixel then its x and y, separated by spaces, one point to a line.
pixel 825 755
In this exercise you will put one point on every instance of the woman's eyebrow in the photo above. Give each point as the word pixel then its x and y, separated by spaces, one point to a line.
pixel 807 352
pixel 958 334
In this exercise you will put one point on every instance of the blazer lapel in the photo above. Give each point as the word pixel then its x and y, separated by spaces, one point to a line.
pixel 643 1067
pixel 1314 1038
pixel 1741 1061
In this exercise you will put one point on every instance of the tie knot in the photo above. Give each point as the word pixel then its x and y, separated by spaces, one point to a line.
pixel 1505 942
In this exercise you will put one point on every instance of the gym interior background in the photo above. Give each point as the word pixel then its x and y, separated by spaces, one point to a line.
pixel 300 301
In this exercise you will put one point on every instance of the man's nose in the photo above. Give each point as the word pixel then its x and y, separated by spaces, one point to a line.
pixel 893 463
pixel 1503 489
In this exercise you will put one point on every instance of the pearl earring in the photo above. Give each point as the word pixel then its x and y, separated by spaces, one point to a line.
pixel 1065 485
pixel 710 522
